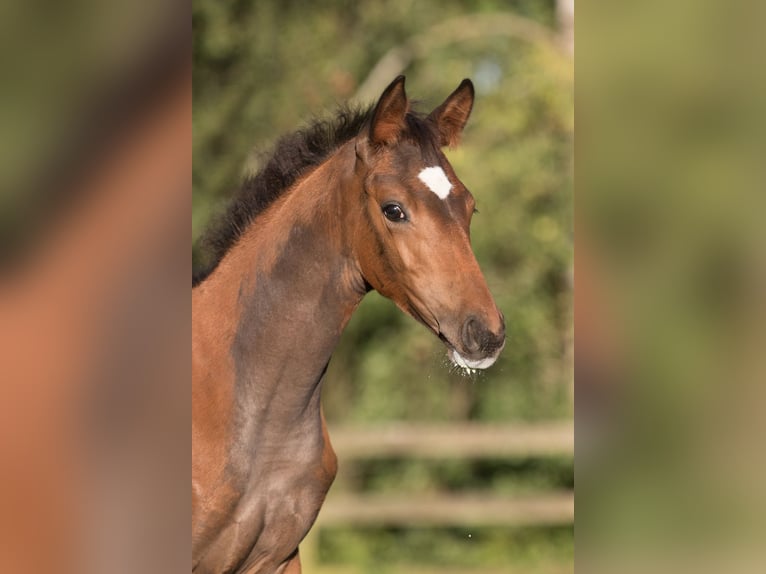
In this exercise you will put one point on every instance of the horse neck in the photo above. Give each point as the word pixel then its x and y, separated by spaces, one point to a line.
pixel 285 292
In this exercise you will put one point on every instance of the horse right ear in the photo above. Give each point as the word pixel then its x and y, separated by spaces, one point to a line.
pixel 388 118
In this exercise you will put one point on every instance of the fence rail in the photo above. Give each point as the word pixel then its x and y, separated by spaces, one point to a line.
pixel 438 442
pixel 454 441
pixel 459 510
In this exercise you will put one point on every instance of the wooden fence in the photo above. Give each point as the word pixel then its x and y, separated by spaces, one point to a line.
pixel 441 442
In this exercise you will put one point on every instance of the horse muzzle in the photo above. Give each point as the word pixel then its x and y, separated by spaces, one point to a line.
pixel 480 346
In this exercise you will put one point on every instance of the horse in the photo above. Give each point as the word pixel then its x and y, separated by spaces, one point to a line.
pixel 366 200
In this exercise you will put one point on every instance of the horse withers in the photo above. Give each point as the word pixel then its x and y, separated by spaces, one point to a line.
pixel 364 201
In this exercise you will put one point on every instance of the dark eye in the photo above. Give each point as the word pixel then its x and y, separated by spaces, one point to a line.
pixel 394 212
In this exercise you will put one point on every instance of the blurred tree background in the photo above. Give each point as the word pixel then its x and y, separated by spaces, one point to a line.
pixel 262 68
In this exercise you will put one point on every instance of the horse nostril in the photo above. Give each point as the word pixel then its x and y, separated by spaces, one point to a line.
pixel 472 334
pixel 501 332
pixel 477 337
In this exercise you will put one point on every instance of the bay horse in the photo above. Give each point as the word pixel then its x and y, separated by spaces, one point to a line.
pixel 365 201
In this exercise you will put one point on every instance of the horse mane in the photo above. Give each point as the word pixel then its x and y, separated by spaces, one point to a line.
pixel 293 155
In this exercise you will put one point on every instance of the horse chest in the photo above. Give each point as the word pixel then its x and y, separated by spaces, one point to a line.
pixel 280 499
pixel 286 495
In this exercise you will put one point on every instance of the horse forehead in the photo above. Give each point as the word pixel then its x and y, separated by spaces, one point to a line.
pixel 432 171
pixel 436 180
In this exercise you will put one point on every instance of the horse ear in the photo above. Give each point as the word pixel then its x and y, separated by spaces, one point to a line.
pixel 450 117
pixel 388 118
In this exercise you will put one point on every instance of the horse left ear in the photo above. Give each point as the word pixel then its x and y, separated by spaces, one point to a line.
pixel 450 117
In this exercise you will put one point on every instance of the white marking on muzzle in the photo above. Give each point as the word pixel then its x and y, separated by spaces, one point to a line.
pixel 436 180
pixel 464 363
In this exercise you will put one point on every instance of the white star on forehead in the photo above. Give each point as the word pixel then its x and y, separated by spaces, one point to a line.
pixel 436 180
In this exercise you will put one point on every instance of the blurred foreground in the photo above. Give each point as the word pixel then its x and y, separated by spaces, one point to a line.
pixel 95 178
pixel 671 277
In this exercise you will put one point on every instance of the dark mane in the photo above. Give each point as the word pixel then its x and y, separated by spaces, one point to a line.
pixel 293 156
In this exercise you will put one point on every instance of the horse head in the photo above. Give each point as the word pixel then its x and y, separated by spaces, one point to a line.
pixel 413 242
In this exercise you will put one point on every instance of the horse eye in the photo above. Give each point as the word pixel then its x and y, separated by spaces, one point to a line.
pixel 394 212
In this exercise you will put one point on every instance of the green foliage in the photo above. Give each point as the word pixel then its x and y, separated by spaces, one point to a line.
pixel 394 475
pixel 261 68
pixel 380 550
